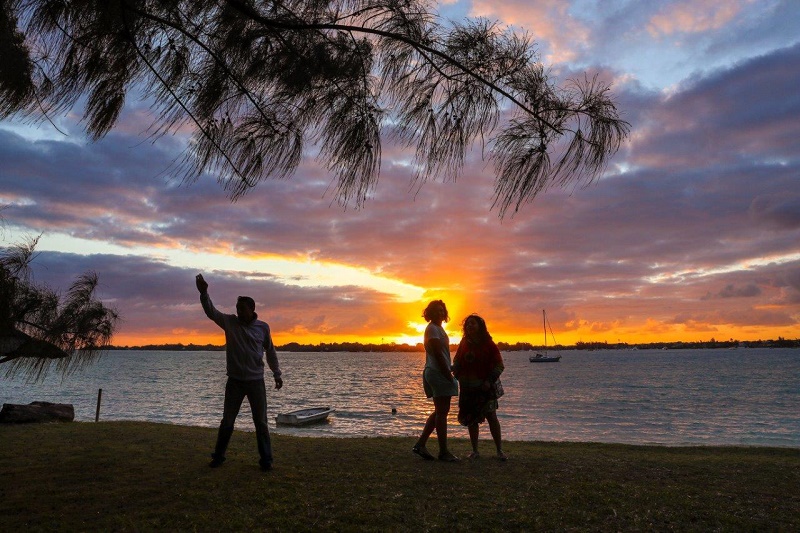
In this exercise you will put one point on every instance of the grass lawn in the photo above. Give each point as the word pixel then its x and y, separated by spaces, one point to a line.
pixel 131 476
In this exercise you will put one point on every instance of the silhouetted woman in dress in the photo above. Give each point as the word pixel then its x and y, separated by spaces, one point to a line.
pixel 477 365
pixel 437 380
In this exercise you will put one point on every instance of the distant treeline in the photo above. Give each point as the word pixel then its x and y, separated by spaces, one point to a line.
pixel 681 345
pixel 504 346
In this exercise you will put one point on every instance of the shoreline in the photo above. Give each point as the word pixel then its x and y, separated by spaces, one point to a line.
pixel 247 427
pixel 455 433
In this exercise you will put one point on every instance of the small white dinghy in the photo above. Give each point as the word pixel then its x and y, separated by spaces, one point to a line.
pixel 301 417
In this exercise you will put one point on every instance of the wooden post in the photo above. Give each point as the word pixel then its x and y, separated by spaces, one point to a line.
pixel 97 413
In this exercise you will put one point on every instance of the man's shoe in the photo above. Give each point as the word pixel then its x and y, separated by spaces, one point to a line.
pixel 265 467
pixel 216 461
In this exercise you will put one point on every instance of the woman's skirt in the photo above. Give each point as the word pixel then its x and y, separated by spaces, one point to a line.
pixel 474 405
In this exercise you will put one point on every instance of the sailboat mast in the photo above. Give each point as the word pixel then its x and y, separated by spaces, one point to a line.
pixel 544 328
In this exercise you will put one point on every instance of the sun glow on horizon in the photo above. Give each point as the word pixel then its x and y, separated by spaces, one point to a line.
pixel 649 331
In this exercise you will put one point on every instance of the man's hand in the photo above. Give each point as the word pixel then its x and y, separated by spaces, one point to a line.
pixel 202 285
pixel 278 382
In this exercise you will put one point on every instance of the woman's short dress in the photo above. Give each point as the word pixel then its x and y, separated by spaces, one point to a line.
pixel 434 382
pixel 437 385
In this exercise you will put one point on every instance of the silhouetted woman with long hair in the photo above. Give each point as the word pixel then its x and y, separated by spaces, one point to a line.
pixel 477 365
pixel 437 381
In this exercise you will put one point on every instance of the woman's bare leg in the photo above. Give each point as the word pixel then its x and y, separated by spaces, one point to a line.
pixel 494 428
pixel 442 404
pixel 474 433
pixel 430 424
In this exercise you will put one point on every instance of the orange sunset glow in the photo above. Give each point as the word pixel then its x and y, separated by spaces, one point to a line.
pixel 401 323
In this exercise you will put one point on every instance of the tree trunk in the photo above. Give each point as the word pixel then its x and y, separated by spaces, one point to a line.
pixel 36 412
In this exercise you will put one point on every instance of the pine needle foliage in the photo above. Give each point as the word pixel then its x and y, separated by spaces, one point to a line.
pixel 262 82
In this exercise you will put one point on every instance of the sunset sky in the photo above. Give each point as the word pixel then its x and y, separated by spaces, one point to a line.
pixel 693 232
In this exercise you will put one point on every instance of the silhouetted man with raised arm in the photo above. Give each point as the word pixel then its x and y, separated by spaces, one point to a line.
pixel 246 340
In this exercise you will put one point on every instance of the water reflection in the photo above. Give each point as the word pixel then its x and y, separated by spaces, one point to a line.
pixel 683 397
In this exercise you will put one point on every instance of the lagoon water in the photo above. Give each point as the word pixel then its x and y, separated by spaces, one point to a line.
pixel 677 397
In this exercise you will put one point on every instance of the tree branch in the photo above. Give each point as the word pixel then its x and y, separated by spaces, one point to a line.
pixel 255 15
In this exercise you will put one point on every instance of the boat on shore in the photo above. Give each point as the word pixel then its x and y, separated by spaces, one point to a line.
pixel 543 357
pixel 302 417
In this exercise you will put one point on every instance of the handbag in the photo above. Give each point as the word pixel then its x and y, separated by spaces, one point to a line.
pixel 498 389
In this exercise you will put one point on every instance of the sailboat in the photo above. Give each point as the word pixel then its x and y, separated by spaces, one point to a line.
pixel 543 357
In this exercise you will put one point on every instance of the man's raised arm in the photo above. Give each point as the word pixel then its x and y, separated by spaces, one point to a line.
pixel 205 301
pixel 202 284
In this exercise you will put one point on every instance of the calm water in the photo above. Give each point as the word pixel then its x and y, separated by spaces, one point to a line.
pixel 707 397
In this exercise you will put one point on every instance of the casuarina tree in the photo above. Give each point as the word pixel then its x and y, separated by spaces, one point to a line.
pixel 260 83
